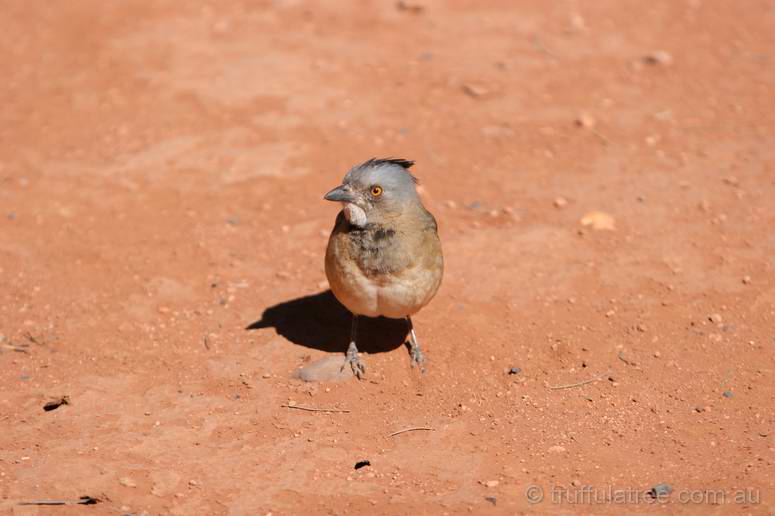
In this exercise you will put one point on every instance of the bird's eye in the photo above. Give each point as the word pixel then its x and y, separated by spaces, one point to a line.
pixel 376 191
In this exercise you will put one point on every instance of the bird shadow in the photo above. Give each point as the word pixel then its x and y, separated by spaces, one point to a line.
pixel 319 321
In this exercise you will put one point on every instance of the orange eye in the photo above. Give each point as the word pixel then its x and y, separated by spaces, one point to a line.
pixel 376 191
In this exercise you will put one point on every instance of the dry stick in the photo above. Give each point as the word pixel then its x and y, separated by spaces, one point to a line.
pixel 84 500
pixel 410 430
pixel 47 502
pixel 32 339
pixel 313 409
pixel 623 359
pixel 579 384
pixel 540 46
pixel 18 348
pixel 602 137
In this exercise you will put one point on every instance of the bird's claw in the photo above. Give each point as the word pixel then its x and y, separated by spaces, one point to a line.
pixel 418 358
pixel 358 367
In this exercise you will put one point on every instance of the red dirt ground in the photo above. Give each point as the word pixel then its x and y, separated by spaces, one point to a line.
pixel 162 166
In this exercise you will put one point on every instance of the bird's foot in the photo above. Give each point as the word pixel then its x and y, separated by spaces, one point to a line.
pixel 352 358
pixel 418 358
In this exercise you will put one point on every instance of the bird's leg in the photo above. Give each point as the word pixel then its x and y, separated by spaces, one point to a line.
pixel 414 348
pixel 358 367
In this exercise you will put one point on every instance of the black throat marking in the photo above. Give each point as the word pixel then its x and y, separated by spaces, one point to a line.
pixel 372 235
pixel 376 250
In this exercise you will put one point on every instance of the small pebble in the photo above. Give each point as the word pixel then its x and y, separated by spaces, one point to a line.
pixel 220 27
pixel 599 220
pixel 475 90
pixel 720 219
pixel 658 57
pixel 746 280
pixel 578 23
pixel 560 202
pixel 731 181
pixel 127 482
pixel 586 121
pixel 514 370
pixel 715 318
pixel 641 328
pixel 728 394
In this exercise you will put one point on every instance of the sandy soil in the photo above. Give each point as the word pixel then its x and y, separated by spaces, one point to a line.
pixel 162 165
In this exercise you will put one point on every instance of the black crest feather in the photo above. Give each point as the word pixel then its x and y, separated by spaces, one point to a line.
pixel 403 163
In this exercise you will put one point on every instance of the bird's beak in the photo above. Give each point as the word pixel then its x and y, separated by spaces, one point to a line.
pixel 341 193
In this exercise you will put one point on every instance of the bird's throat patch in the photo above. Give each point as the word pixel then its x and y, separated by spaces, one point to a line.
pixel 355 215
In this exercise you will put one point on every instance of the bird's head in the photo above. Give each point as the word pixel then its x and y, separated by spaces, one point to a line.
pixel 376 191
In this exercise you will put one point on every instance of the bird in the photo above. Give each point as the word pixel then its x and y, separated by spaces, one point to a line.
pixel 384 254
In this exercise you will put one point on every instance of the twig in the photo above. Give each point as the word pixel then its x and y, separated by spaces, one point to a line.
pixel 579 384
pixel 410 430
pixel 47 502
pixel 603 138
pixel 32 339
pixel 540 46
pixel 313 409
pixel 84 500
pixel 18 348
pixel 620 355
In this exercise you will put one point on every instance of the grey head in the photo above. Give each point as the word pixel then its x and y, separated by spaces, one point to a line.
pixel 376 191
